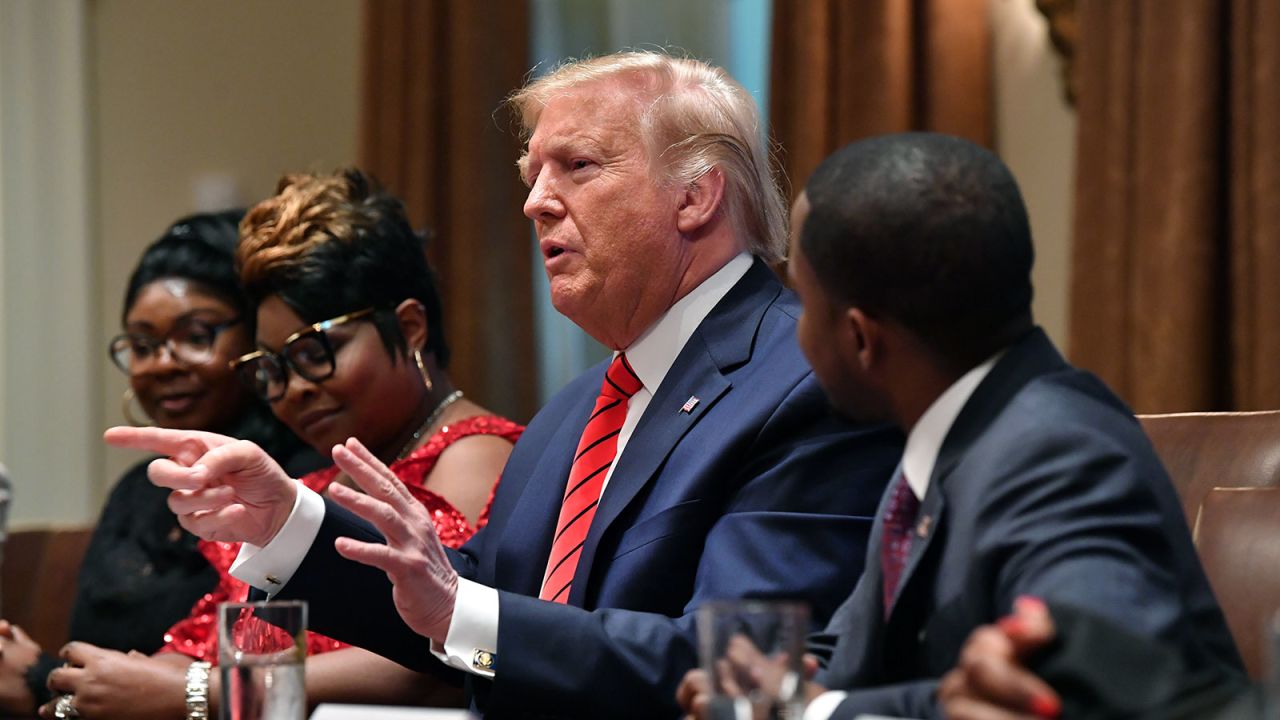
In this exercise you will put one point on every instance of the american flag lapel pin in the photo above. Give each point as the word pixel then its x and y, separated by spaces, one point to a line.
pixel 689 404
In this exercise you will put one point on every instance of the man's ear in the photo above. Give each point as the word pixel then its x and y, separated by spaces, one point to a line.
pixel 866 337
pixel 412 318
pixel 700 201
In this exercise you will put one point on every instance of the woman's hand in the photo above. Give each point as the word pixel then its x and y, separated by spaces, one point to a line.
pixel 990 682
pixel 111 685
pixel 17 653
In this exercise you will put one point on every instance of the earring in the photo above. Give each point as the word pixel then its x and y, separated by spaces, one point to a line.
pixel 126 408
pixel 426 376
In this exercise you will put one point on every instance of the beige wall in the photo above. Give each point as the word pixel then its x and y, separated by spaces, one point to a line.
pixel 234 90
pixel 48 433
pixel 1036 136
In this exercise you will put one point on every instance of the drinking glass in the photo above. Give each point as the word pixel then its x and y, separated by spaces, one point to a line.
pixel 753 651
pixel 261 649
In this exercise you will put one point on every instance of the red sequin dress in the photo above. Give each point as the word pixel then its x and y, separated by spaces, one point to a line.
pixel 197 635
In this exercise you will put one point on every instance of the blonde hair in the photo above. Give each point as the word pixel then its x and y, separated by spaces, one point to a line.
pixel 305 212
pixel 694 118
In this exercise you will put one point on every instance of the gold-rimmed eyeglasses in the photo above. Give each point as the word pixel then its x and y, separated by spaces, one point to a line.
pixel 308 352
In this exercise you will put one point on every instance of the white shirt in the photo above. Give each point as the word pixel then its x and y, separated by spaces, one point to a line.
pixel 921 454
pixel 474 627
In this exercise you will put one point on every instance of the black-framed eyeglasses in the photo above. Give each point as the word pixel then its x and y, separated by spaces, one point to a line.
pixel 190 341
pixel 308 352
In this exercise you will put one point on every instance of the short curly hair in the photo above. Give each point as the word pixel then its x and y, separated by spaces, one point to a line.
pixel 332 244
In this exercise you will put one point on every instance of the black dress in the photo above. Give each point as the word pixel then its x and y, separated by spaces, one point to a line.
pixel 142 572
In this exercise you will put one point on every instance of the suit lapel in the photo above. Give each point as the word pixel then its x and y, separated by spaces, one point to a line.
pixel 722 342
pixel 1029 357
pixel 659 429
pixel 522 554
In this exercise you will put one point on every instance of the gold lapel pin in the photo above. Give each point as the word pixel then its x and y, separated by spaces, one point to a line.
pixel 922 527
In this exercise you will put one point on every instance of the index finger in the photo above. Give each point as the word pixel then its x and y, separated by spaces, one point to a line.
pixel 79 653
pixel 185 446
pixel 372 475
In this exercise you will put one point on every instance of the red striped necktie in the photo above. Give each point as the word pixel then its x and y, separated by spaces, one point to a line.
pixel 591 463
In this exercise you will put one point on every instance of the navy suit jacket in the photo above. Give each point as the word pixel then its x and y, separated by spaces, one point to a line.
pixel 759 491
pixel 1045 486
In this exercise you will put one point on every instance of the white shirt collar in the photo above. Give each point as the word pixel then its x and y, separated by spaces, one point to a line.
pixel 925 439
pixel 654 352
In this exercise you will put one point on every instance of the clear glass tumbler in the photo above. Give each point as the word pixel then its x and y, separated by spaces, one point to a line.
pixel 753 651
pixel 261 650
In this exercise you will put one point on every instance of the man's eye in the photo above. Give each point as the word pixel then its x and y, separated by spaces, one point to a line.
pixel 580 164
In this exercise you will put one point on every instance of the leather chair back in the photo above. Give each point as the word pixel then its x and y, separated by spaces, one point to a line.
pixel 1226 468
pixel 1237 537
pixel 1203 451
pixel 39 581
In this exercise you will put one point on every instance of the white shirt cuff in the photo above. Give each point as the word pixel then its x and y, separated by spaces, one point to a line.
pixel 472 641
pixel 270 567
pixel 823 705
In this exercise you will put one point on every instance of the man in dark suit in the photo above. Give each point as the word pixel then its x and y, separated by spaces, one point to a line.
pixel 1021 475
pixel 701 462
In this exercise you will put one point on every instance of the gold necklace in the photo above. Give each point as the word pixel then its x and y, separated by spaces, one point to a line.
pixel 449 399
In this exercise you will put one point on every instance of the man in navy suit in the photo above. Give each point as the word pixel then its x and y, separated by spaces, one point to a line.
pixel 1022 476
pixel 701 462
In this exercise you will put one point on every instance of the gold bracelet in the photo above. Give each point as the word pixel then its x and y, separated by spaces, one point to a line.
pixel 198 691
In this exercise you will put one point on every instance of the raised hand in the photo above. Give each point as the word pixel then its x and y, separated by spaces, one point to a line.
pixel 990 682
pixel 426 585
pixel 223 489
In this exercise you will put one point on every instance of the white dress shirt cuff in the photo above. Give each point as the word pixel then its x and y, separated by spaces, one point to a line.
pixel 823 705
pixel 270 567
pixel 472 642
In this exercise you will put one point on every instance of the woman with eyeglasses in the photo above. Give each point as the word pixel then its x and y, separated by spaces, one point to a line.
pixel 185 317
pixel 350 344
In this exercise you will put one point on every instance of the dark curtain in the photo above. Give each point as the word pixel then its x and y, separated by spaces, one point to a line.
pixel 844 70
pixel 1174 296
pixel 432 130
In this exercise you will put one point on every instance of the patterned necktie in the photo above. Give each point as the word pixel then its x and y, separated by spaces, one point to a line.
pixel 895 540
pixel 591 463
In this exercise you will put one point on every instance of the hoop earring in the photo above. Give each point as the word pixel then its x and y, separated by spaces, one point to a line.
pixel 422 368
pixel 126 408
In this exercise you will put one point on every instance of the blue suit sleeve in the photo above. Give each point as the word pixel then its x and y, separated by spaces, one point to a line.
pixel 796 526
pixel 353 602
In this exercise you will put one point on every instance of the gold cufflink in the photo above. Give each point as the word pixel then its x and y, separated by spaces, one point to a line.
pixel 274 580
pixel 483 660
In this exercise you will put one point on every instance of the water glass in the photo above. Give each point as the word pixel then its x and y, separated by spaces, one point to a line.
pixel 753 651
pixel 261 650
